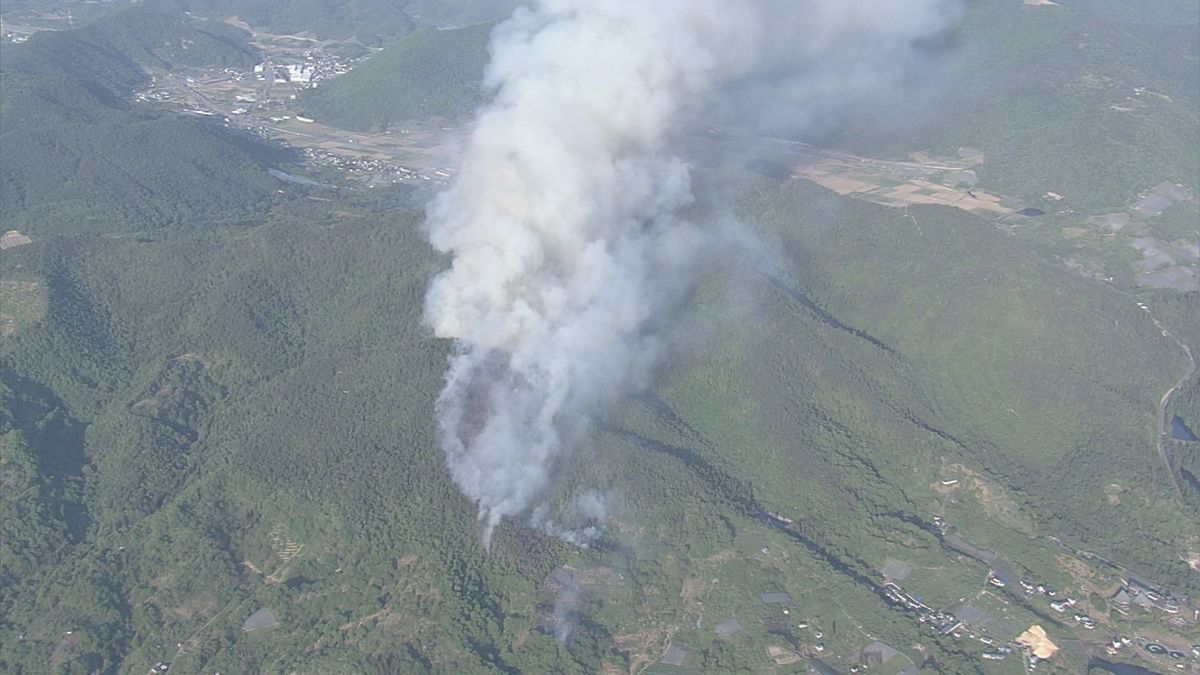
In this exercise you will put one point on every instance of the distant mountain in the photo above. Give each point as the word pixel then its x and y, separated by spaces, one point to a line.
pixel 57 78
pixel 135 171
pixel 159 38
pixel 1084 99
pixel 77 155
pixel 427 74
pixel 368 21
pixel 457 13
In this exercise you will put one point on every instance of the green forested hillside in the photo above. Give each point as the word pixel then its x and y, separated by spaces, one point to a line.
pixel 217 397
pixel 1148 12
pixel 55 79
pixel 457 13
pixel 206 423
pixel 78 156
pixel 159 38
pixel 998 354
pixel 241 411
pixel 126 175
pixel 427 74
pixel 367 21
pixel 1093 105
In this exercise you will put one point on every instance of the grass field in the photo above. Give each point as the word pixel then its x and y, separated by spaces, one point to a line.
pixel 21 303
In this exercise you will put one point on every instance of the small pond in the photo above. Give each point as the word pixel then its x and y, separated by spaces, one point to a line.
pixel 1181 431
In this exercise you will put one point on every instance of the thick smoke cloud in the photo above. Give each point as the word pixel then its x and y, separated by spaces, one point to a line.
pixel 564 227
pixel 822 59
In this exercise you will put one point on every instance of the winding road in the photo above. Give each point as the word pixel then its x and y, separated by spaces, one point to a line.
pixel 1165 402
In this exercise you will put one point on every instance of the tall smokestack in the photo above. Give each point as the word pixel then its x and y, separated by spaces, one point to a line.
pixel 563 223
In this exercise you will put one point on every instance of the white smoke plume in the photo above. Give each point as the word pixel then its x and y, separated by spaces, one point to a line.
pixel 568 250
pixel 592 507
pixel 563 617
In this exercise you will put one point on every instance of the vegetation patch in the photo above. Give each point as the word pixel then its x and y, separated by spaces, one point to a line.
pixel 21 304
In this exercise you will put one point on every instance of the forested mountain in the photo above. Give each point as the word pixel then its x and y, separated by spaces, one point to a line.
pixel 1055 424
pixel 1030 96
pixel 159 38
pixel 218 387
pixel 367 20
pixel 371 22
pixel 210 422
pixel 78 156
pixel 1079 103
pixel 458 13
pixel 428 73
pixel 56 79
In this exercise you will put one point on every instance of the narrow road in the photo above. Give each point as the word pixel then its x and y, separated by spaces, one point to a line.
pixel 1165 402
pixel 183 646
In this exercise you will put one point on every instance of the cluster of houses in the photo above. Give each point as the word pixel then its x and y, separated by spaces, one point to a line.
pixel 998 651
pixel 315 65
pixel 1116 644
pixel 1060 605
pixel 381 170
pixel 1137 593
pixel 946 623
pixel 153 91
pixel 363 164
pixel 1039 589
pixel 940 522
pixel 938 621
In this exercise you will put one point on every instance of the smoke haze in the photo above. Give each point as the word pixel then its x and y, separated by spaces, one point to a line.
pixel 564 229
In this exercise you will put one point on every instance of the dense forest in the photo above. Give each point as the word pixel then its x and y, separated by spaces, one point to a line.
pixel 164 40
pixel 217 395
pixel 210 421
pixel 428 73
pixel 80 157
pixel 367 21
pixel 1076 103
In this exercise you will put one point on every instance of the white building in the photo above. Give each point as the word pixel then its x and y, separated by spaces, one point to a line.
pixel 297 72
